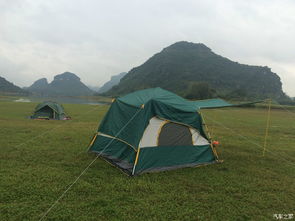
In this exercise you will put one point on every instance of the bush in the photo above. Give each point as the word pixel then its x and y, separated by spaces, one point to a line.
pixel 199 91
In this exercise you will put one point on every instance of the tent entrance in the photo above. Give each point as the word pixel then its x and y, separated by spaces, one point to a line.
pixel 161 132
pixel 46 112
pixel 173 134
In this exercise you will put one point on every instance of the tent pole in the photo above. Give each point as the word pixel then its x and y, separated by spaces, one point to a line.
pixel 92 141
pixel 267 127
pixel 136 160
pixel 209 137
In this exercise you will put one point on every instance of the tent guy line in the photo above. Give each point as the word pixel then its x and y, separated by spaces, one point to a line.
pixel 249 140
pixel 168 134
pixel 98 155
pixel 152 102
pixel 252 142
pixel 219 110
pixel 84 171
pixel 62 195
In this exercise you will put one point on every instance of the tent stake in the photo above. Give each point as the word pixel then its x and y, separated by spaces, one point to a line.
pixel 267 127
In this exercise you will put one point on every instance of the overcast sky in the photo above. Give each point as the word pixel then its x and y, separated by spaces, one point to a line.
pixel 96 39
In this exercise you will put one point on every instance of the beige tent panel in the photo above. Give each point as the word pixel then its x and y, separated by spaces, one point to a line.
pixel 153 130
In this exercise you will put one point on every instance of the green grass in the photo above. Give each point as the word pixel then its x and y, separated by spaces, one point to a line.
pixel 40 159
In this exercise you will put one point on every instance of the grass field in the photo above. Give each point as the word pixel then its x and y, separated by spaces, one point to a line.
pixel 40 159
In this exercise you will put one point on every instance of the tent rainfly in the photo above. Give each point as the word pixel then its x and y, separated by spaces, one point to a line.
pixel 49 110
pixel 155 130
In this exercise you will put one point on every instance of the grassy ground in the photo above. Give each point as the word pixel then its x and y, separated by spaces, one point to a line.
pixel 40 159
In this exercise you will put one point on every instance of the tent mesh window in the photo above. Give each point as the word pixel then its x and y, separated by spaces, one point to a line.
pixel 173 134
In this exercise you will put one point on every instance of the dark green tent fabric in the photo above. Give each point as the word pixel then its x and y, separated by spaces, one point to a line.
pixel 167 158
pixel 139 98
pixel 120 113
pixel 123 127
pixel 119 153
pixel 158 94
pixel 211 103
pixel 149 103
pixel 219 103
pixel 120 132
pixel 50 110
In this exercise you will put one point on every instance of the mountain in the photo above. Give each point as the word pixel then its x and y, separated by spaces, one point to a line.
pixel 114 81
pixel 66 84
pixel 9 88
pixel 69 84
pixel 183 64
pixel 40 87
pixel 39 84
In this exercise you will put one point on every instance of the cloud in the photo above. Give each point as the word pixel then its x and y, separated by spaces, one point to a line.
pixel 97 39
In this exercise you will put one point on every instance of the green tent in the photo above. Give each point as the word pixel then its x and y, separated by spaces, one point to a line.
pixel 155 130
pixel 49 110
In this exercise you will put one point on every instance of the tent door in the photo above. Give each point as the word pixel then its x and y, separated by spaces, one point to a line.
pixel 165 133
pixel 46 112
pixel 173 134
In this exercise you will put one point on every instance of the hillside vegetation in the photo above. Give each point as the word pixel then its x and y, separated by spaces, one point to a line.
pixel 7 87
pixel 183 64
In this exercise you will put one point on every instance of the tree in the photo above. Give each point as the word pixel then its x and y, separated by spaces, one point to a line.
pixel 199 91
